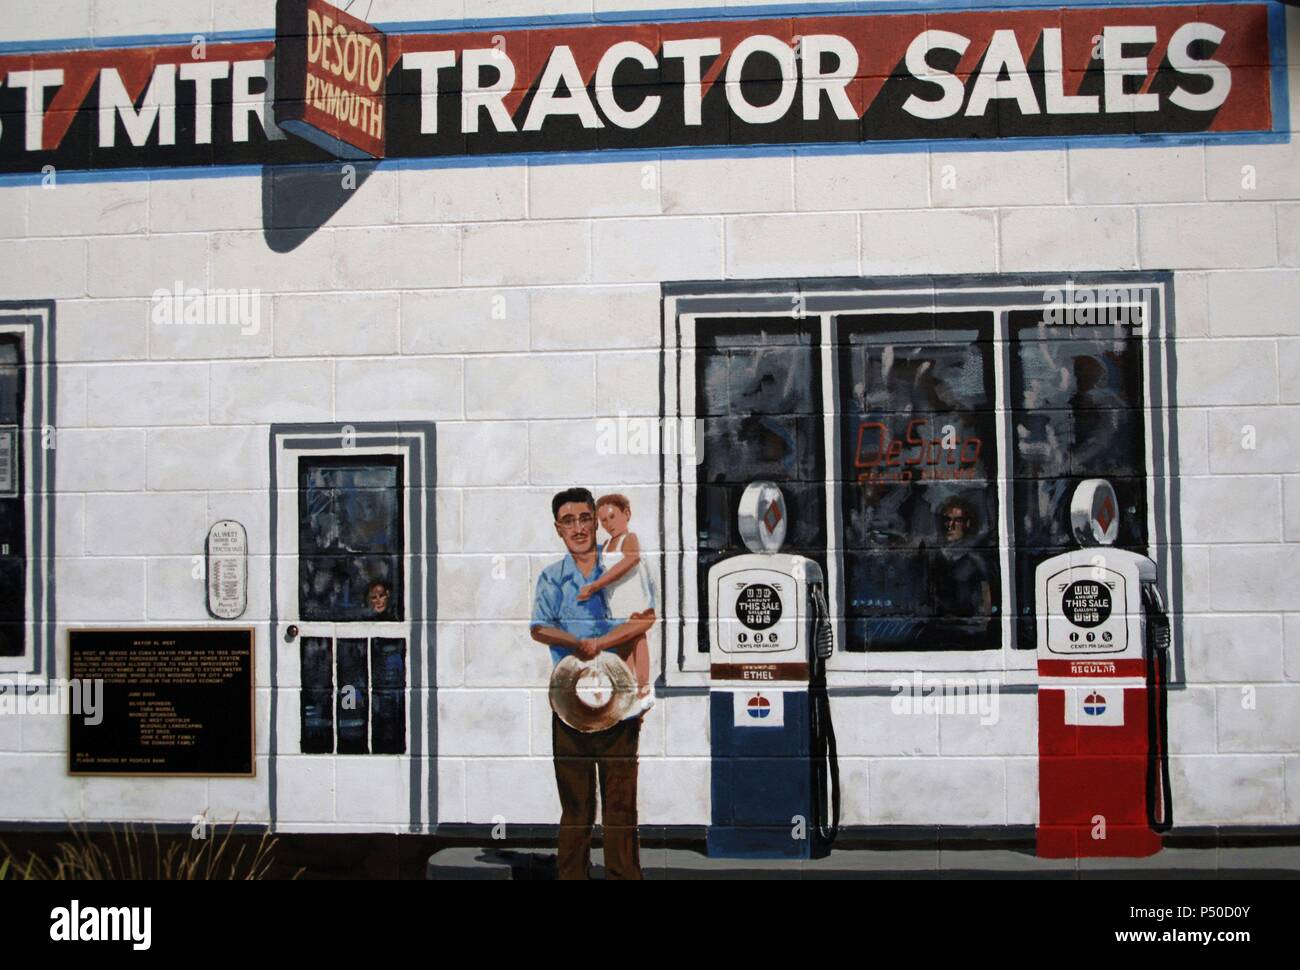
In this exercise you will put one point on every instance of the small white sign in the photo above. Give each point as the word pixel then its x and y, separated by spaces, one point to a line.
pixel 8 459
pixel 1094 706
pixel 227 549
pixel 759 708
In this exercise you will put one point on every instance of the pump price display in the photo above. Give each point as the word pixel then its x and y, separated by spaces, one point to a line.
pixel 758 606
pixel 1086 604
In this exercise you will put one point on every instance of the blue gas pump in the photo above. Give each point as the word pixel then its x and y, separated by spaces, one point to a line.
pixel 775 776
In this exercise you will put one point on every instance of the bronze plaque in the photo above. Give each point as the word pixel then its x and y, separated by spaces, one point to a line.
pixel 172 702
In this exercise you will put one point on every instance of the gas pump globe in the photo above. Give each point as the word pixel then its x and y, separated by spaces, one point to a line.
pixel 1102 667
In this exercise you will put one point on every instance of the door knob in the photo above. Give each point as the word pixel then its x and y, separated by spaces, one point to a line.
pixel 290 633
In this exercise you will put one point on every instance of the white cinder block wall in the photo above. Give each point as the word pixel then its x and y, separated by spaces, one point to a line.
pixel 515 305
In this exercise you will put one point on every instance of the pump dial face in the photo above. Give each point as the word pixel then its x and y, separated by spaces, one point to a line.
pixel 758 606
pixel 1087 604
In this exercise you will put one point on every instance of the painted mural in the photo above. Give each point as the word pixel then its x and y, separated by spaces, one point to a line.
pixel 899 490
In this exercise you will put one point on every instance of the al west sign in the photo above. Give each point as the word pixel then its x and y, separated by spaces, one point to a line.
pixel 340 88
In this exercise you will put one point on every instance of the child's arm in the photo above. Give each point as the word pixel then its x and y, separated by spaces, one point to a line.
pixel 631 550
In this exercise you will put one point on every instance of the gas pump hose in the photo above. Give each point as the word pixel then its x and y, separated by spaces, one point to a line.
pixel 1160 814
pixel 826 764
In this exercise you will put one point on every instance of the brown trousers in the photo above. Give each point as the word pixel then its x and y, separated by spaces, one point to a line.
pixel 581 761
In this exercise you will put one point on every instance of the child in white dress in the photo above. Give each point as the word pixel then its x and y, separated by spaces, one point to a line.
pixel 627 583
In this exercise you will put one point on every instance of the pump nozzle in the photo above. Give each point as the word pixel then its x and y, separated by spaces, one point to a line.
pixel 823 639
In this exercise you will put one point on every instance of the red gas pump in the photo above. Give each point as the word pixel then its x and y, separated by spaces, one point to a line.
pixel 1103 638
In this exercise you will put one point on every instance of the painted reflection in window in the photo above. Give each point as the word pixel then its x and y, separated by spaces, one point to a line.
pixel 350 542
pixel 1077 412
pixel 13 527
pixel 758 396
pixel 919 465
pixel 353 702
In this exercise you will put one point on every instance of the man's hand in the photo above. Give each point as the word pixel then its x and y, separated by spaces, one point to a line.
pixel 586 592
pixel 586 649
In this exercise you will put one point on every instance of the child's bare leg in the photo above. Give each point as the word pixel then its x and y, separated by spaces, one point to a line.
pixel 641 663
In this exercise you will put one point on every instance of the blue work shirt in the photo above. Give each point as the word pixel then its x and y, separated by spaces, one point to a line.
pixel 556 603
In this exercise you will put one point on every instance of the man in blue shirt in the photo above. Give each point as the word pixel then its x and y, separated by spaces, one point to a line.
pixel 608 758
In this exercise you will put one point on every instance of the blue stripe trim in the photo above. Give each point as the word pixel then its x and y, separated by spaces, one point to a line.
pixel 1046 143
pixel 621 16
pixel 1277 55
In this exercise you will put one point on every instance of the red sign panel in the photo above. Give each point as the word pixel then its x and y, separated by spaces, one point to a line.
pixel 1146 74
pixel 331 72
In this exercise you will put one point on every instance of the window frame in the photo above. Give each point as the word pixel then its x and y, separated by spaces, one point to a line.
pixel 685 303
pixel 34 323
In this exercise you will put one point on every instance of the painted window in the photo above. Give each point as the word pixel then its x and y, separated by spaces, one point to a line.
pixel 760 404
pixel 1077 412
pixel 349 537
pixel 350 573
pixel 919 471
pixel 13 515
pixel 928 436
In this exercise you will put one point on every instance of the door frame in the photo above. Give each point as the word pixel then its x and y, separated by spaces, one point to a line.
pixel 416 442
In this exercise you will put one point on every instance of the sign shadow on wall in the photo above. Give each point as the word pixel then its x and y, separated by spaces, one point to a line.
pixel 298 200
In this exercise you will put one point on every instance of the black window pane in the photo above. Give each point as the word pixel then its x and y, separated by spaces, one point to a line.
pixel 388 698
pixel 388 729
pixel 759 398
pixel 350 539
pixel 11 379
pixel 353 696
pixel 919 469
pixel 1077 412
pixel 317 698
pixel 388 663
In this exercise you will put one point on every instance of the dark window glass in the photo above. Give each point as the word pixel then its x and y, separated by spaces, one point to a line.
pixel 1077 412
pixel 353 697
pixel 317 695
pixel 350 538
pixel 13 524
pixel 919 466
pixel 758 394
pixel 388 698
pixel 388 728
pixel 369 705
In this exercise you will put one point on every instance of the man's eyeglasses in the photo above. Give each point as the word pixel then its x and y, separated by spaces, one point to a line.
pixel 571 522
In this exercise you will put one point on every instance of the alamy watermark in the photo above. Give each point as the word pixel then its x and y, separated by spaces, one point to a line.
pixel 922 694
pixel 181 306
pixel 55 697
pixel 1089 306
pixel 650 436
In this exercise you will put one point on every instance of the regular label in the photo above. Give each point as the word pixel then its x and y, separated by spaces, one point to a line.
pixel 758 606
pixel 1086 604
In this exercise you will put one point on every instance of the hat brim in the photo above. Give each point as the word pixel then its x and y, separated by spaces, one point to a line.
pixel 575 712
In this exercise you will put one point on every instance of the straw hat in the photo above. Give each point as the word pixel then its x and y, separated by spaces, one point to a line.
pixel 592 695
